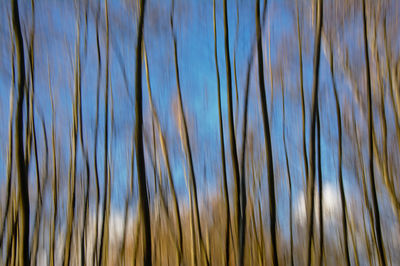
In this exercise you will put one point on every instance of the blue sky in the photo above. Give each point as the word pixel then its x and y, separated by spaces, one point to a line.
pixel 55 46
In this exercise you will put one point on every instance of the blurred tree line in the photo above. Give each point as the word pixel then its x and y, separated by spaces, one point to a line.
pixel 116 153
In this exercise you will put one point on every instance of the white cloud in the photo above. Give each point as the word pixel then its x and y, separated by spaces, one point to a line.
pixel 331 204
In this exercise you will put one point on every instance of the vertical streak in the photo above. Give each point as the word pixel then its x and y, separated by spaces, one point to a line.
pixel 166 159
pixel 103 255
pixel 143 200
pixel 302 92
pixel 340 174
pixel 96 174
pixel 55 187
pixel 311 179
pixel 186 143
pixel 23 196
pixel 288 170
pixel 235 164
pixel 10 146
pixel 320 194
pixel 221 135
pixel 378 229
pixel 72 180
pixel 267 139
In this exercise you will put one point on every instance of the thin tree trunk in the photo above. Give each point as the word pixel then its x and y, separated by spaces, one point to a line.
pixel 340 175
pixel 235 164
pixel 320 194
pixel 96 173
pixel 391 83
pixel 143 200
pixel 303 112
pixel 234 67
pixel 23 192
pixel 86 196
pixel 104 236
pixel 54 185
pixel 267 138
pixel 378 229
pixel 10 147
pixel 386 174
pixel 365 189
pixel 167 163
pixel 186 143
pixel 85 156
pixel 192 230
pixel 127 200
pixel 222 144
pixel 163 200
pixel 31 56
pixel 353 239
pixel 243 194
pixel 243 200
pixel 288 171
pixel 311 179
pixel 39 203
pixel 72 181
pixel 12 233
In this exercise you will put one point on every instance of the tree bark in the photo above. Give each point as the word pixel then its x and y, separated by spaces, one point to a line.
pixel 267 138
pixel 311 179
pixel 23 192
pixel 142 185
pixel 381 248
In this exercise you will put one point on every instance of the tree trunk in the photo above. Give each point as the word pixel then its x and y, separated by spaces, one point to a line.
pixel 381 248
pixel 267 138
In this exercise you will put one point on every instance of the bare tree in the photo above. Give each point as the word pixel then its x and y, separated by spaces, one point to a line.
pixel 188 151
pixel 340 175
pixel 164 150
pixel 267 138
pixel 287 170
pixel 10 145
pixel 23 196
pixel 54 184
pixel 96 130
pixel 378 229
pixel 222 144
pixel 143 200
pixel 303 112
pixel 72 181
pixel 320 194
pixel 235 164
pixel 311 183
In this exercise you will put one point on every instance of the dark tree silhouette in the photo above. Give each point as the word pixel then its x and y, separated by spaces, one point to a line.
pixel 23 196
pixel 311 179
pixel 267 138
pixel 378 229
pixel 143 200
